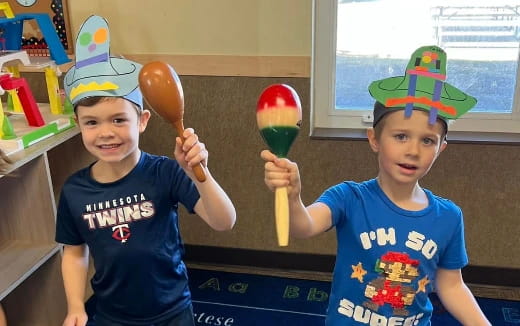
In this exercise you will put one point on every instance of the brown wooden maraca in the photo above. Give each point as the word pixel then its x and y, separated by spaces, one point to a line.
pixel 162 89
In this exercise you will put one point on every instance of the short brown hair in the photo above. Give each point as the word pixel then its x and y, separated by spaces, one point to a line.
pixel 93 100
pixel 381 111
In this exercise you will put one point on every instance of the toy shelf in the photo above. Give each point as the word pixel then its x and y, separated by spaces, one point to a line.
pixel 23 156
pixel 26 136
pixel 31 286
pixel 18 260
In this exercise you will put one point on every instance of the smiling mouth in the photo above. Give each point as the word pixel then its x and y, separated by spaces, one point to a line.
pixel 408 166
pixel 109 146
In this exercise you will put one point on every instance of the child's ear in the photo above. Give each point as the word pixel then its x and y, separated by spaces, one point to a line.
pixel 143 120
pixel 372 140
pixel 444 144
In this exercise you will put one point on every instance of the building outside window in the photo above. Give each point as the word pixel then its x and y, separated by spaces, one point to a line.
pixel 358 41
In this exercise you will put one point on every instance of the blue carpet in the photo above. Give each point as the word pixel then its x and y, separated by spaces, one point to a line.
pixel 239 299
pixel 250 300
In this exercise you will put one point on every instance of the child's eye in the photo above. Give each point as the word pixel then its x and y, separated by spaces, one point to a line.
pixel 90 122
pixel 400 137
pixel 429 141
pixel 119 120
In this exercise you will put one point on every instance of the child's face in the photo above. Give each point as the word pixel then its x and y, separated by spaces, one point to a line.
pixel 407 147
pixel 110 129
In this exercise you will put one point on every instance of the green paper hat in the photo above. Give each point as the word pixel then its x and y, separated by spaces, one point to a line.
pixel 95 72
pixel 423 86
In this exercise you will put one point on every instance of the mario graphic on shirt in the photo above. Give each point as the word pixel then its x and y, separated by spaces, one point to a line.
pixel 392 287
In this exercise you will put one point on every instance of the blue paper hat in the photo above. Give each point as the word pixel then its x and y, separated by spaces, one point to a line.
pixel 96 73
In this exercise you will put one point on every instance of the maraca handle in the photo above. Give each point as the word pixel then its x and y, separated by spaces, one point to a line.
pixel 197 169
pixel 281 210
pixel 199 172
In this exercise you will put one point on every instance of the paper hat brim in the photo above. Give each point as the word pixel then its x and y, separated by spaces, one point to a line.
pixel 110 79
pixel 393 92
pixel 380 111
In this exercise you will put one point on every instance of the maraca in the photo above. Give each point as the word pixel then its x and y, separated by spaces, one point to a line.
pixel 279 115
pixel 162 90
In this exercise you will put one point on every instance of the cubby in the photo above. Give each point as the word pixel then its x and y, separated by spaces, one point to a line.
pixel 31 287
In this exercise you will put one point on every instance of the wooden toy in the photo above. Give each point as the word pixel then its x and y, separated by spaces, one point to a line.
pixel 13 28
pixel 52 72
pixel 11 83
pixel 279 115
pixel 30 108
pixel 51 78
pixel 2 120
pixel 6 127
pixel 13 101
pixel 162 90
pixel 23 124
pixel 6 9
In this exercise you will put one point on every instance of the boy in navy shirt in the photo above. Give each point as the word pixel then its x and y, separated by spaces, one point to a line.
pixel 122 209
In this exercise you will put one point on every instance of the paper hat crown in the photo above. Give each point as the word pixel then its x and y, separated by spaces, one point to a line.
pixel 423 86
pixel 96 73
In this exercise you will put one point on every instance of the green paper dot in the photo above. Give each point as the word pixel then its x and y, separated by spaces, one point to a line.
pixel 85 39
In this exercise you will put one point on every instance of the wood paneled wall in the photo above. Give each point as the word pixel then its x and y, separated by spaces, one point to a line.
pixel 482 179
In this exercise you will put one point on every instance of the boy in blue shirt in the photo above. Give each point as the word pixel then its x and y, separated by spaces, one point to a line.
pixel 122 209
pixel 397 242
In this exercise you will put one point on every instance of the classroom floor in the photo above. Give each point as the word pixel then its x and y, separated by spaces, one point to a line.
pixel 478 290
pixel 251 296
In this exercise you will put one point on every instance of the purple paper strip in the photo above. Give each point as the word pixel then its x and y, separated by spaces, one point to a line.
pixel 92 60
pixel 436 97
pixel 412 84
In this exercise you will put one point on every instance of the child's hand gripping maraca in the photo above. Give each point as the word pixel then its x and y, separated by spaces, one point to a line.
pixel 279 115
pixel 162 89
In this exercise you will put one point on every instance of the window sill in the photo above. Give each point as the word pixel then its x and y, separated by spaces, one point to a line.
pixel 453 136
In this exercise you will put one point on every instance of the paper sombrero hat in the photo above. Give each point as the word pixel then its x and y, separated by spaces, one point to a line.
pixel 95 72
pixel 423 86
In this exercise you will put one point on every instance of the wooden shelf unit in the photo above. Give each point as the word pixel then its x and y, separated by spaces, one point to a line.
pixel 31 287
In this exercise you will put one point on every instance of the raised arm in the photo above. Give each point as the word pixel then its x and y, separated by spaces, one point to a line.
pixel 214 205
pixel 305 222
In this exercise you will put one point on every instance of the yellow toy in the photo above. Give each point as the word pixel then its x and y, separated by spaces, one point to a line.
pixel 13 101
pixel 51 77
pixel 6 8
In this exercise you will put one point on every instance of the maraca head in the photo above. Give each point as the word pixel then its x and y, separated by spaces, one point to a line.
pixel 279 115
pixel 162 89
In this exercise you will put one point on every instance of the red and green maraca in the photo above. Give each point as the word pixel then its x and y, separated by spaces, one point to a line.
pixel 279 115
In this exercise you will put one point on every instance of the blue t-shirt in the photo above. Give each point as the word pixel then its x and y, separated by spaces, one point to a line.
pixel 131 228
pixel 387 257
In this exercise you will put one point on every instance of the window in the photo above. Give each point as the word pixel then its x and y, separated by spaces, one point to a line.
pixel 356 42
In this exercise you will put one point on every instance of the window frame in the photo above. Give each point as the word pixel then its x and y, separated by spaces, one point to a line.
pixel 328 122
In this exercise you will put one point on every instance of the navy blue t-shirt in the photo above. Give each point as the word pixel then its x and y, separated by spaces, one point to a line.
pixel 131 228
